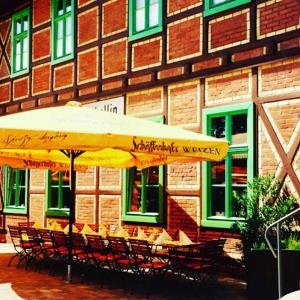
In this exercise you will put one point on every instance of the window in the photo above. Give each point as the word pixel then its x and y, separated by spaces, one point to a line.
pixel 215 6
pixel 16 188
pixel 62 30
pixel 223 180
pixel 58 193
pixel 143 193
pixel 20 42
pixel 145 18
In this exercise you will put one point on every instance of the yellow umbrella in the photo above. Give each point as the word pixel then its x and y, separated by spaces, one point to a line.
pixel 77 136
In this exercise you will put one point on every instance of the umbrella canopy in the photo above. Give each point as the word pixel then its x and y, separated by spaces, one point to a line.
pixel 108 139
pixel 75 136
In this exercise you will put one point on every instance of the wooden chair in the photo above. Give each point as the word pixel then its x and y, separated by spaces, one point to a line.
pixel 19 245
pixel 144 260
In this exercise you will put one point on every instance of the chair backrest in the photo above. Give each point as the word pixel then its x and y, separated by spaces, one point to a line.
pixel 140 248
pixel 59 238
pixel 96 244
pixel 15 235
pixel 46 238
pixel 26 224
pixel 118 245
pixel 78 240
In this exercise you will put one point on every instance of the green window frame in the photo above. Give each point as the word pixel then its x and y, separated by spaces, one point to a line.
pixel 222 179
pixel 145 18
pixel 216 6
pixel 58 193
pixel 62 30
pixel 20 37
pixel 15 190
pixel 142 201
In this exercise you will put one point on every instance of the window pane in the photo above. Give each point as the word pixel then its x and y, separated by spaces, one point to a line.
pixel 22 196
pixel 18 26
pixel 140 20
pixel 60 7
pixel 66 196
pixel 69 37
pixel 153 13
pixel 140 4
pixel 218 127
pixel 59 50
pixel 152 175
pixel 218 172
pixel 239 168
pixel 238 210
pixel 25 53
pixel 68 5
pixel 239 129
pixel 218 201
pixel 135 205
pixel 216 2
pixel 60 25
pixel 25 24
pixel 54 197
pixel 54 189
pixel 152 198
pixel 18 47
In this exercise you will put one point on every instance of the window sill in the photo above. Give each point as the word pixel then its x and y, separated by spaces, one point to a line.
pixel 145 33
pixel 57 213
pixel 20 73
pixel 55 61
pixel 220 222
pixel 19 211
pixel 142 218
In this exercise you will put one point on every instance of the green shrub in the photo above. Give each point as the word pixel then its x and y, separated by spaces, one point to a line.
pixel 265 202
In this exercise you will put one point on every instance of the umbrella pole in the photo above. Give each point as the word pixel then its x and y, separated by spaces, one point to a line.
pixel 71 215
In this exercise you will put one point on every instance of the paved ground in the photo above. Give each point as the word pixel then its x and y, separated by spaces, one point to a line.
pixel 30 285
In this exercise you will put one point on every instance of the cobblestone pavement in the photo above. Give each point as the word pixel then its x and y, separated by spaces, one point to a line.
pixel 21 284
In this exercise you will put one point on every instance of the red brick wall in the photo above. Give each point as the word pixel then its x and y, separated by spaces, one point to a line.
pixel 176 6
pixel 114 58
pixel 63 76
pixel 41 12
pixel 41 44
pixel 146 54
pixel 41 79
pixel 182 212
pixel 276 17
pixel 5 92
pixel 21 88
pixel 87 69
pixel 4 71
pixel 88 26
pixel 184 38
pixel 229 30
pixel 114 17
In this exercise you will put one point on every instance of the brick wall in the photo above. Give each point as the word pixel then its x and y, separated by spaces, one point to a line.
pixel 114 17
pixel 279 77
pixel 228 88
pixel 277 17
pixel 228 31
pixel 85 209
pixel 184 38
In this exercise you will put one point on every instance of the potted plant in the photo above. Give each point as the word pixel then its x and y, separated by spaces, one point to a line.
pixel 265 202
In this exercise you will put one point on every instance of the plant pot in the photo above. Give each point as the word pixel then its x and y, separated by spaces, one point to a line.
pixel 261 273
